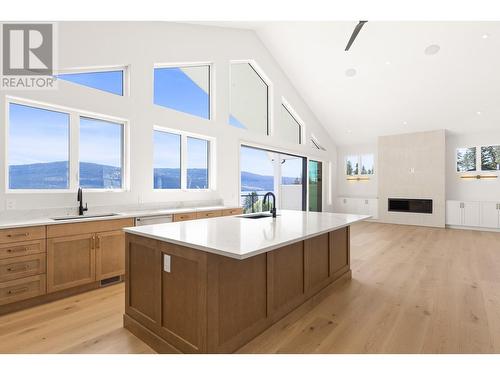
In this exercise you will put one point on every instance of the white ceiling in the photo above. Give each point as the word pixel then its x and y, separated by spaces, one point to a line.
pixel 397 88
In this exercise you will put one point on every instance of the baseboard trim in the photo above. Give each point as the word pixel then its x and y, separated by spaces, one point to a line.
pixel 481 229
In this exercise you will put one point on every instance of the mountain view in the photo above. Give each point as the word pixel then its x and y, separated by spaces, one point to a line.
pixel 55 176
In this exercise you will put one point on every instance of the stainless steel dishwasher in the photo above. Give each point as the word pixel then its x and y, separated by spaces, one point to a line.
pixel 148 220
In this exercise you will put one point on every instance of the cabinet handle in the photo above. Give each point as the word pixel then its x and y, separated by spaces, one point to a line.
pixel 18 290
pixel 98 245
pixel 10 235
pixel 18 269
pixel 93 242
pixel 18 250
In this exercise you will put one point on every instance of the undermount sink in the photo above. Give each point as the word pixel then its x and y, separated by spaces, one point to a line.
pixel 255 216
pixel 81 217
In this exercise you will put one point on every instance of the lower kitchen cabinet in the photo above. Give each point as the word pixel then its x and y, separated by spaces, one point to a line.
pixel 70 261
pixel 473 214
pixel 110 254
pixel 86 256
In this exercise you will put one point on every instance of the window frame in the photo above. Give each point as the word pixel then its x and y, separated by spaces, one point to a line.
pixel 295 116
pixel 358 157
pixel 124 153
pixel 270 92
pixel 211 160
pixel 211 86
pixel 477 162
pixel 74 147
pixel 317 145
pixel 98 69
pixel 479 159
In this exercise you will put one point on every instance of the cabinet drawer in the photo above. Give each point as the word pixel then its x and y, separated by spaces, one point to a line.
pixel 18 290
pixel 22 234
pixel 17 249
pixel 19 267
pixel 206 214
pixel 61 230
pixel 185 216
pixel 232 211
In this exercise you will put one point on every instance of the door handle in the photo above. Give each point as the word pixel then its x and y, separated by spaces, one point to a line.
pixel 18 269
pixel 18 290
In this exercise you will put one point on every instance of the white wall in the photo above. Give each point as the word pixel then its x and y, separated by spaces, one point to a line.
pixel 413 166
pixel 470 189
pixel 356 189
pixel 140 45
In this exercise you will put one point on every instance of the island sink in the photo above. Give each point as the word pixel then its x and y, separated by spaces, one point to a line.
pixel 255 216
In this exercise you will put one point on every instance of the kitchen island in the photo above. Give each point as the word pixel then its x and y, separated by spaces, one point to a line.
pixel 211 285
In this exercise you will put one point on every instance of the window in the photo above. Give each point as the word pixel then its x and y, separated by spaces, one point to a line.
pixel 249 99
pixel 109 81
pixel 315 143
pixel 39 149
pixel 290 129
pixel 466 159
pixel 359 165
pixel 263 171
pixel 38 156
pixel 184 89
pixel 167 160
pixel 197 163
pixel 181 161
pixel 315 186
pixel 490 158
pixel 352 165
pixel 101 154
pixel 367 164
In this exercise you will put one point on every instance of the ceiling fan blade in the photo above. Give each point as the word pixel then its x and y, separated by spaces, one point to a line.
pixel 355 33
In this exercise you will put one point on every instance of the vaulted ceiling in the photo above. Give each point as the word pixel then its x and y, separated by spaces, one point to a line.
pixel 397 87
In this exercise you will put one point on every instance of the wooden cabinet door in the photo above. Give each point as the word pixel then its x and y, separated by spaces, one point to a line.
pixel 110 254
pixel 70 261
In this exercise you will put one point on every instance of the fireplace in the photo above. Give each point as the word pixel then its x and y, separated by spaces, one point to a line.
pixel 421 206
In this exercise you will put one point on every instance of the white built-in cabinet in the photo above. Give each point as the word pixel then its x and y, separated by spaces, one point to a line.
pixel 360 206
pixel 473 214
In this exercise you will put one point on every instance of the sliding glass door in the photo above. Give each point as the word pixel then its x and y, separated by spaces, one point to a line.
pixel 263 171
pixel 315 186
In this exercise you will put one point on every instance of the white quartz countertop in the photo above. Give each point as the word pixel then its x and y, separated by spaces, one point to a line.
pixel 241 238
pixel 29 222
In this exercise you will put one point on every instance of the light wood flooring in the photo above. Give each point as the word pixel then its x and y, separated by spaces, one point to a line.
pixel 414 290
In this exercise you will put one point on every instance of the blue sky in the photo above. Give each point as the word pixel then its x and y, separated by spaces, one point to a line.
pixel 100 142
pixel 167 150
pixel 37 135
pixel 106 81
pixel 174 89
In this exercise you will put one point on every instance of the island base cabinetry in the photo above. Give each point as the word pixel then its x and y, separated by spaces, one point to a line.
pixel 182 300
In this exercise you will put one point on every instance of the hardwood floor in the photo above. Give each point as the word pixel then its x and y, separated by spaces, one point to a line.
pixel 414 290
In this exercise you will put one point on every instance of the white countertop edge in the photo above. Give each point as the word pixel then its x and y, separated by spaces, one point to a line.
pixel 119 215
pixel 137 231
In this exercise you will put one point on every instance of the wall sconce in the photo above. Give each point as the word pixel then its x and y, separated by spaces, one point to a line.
pixel 479 176
pixel 358 178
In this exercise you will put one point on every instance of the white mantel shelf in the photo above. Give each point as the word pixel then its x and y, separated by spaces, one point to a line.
pixel 241 238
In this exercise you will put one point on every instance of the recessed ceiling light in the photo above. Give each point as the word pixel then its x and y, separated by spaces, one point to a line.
pixel 349 131
pixel 479 113
pixel 405 122
pixel 387 63
pixel 486 36
pixel 351 72
pixel 432 49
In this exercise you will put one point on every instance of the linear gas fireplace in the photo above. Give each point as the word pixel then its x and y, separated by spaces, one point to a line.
pixel 421 206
